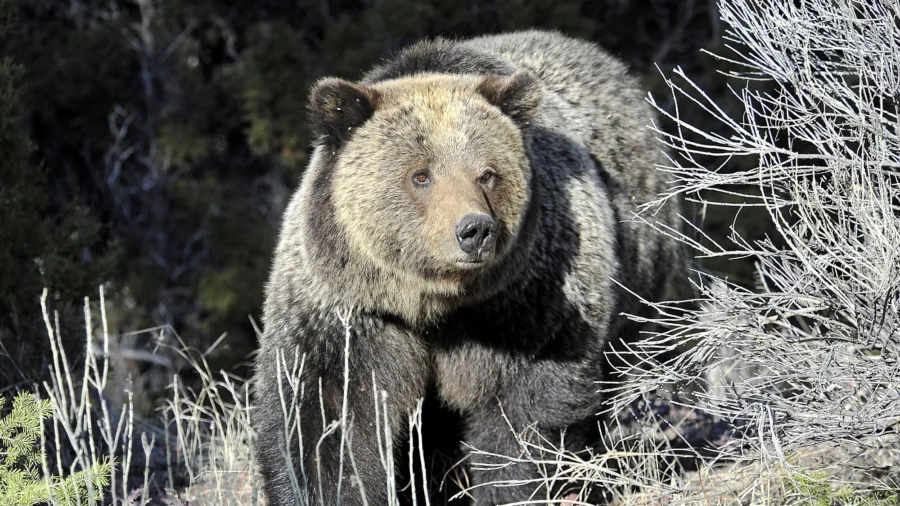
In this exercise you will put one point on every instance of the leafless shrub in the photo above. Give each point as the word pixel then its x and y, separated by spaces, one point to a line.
pixel 87 427
pixel 810 360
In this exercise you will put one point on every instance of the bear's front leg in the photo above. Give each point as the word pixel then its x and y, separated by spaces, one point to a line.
pixel 516 405
pixel 514 457
pixel 300 461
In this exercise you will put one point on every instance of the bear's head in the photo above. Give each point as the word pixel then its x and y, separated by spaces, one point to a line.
pixel 430 175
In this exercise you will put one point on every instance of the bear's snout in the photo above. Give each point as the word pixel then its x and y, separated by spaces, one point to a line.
pixel 476 234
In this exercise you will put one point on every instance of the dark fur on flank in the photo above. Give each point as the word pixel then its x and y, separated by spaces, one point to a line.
pixel 521 336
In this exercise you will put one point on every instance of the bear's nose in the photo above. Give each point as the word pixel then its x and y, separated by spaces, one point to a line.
pixel 475 233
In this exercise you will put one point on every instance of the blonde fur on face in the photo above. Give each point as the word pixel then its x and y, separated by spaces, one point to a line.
pixel 440 124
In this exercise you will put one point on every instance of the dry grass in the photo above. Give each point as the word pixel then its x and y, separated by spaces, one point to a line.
pixel 196 450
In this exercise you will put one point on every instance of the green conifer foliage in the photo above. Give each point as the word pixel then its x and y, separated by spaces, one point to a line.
pixel 22 480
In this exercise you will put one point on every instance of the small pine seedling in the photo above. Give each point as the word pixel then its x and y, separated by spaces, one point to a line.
pixel 21 481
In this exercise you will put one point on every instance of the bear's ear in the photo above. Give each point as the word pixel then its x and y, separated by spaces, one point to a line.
pixel 518 95
pixel 338 107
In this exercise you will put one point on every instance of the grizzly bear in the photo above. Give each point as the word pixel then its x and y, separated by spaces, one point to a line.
pixel 460 229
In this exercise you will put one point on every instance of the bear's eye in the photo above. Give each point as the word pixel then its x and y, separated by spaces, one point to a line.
pixel 487 176
pixel 421 178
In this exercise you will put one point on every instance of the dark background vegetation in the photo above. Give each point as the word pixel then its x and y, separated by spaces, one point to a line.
pixel 151 146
